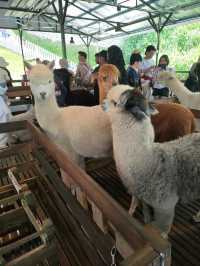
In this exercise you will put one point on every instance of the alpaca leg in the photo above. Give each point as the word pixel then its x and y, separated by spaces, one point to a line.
pixel 163 219
pixel 146 209
pixel 81 195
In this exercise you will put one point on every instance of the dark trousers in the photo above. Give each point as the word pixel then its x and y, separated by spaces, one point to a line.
pixel 164 92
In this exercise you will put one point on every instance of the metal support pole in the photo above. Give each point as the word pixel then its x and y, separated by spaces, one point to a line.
pixel 21 45
pixel 158 27
pixel 61 14
pixel 87 44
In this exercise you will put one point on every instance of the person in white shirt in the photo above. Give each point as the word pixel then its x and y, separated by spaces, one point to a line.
pixel 148 62
pixel 4 111
pixel 83 71
pixel 159 89
pixel 4 72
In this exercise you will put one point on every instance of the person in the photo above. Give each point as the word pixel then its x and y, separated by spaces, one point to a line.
pixel 5 113
pixel 115 57
pixel 148 62
pixel 101 59
pixel 64 64
pixel 38 61
pixel 133 74
pixel 193 80
pixel 83 72
pixel 63 79
pixel 45 62
pixel 159 89
pixel 4 72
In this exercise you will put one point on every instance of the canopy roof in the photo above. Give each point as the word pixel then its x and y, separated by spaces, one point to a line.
pixel 101 19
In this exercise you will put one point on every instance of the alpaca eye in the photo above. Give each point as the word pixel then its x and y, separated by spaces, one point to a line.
pixel 114 103
pixel 50 81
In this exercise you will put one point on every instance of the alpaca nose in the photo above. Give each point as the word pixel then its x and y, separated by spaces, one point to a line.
pixel 43 94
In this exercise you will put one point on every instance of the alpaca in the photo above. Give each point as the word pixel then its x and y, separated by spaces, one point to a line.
pixel 80 131
pixel 171 122
pixel 158 174
pixel 185 96
pixel 107 77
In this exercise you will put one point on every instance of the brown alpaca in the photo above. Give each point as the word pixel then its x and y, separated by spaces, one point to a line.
pixel 172 121
pixel 107 77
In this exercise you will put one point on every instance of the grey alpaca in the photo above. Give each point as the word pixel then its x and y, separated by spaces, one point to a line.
pixel 158 174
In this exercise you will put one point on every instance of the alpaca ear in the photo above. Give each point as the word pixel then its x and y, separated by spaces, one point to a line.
pixel 28 65
pixel 51 65
pixel 124 97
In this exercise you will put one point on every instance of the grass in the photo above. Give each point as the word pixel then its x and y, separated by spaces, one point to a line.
pixel 55 47
pixel 15 62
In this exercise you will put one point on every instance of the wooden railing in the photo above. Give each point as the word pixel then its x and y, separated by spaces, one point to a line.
pixel 145 242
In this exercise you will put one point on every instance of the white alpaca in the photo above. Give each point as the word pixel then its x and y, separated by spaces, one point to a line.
pixel 185 96
pixel 158 174
pixel 80 131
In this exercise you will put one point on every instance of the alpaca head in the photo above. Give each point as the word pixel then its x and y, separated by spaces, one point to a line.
pixel 165 76
pixel 107 77
pixel 124 98
pixel 41 80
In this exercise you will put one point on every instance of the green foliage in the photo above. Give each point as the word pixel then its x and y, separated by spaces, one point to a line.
pixel 15 63
pixel 55 48
pixel 180 43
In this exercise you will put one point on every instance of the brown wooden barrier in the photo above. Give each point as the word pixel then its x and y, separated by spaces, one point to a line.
pixel 148 248
pixel 19 91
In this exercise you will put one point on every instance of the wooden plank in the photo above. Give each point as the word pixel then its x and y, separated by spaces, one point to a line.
pixel 12 218
pixel 70 248
pixel 34 256
pixel 76 229
pixel 18 243
pixel 101 241
pixel 12 126
pixel 132 230
pixel 143 257
pixel 19 92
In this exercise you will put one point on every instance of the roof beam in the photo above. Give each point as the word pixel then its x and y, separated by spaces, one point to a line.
pixel 149 28
pixel 97 17
pixel 74 29
pixel 131 23
pixel 138 7
pixel 37 12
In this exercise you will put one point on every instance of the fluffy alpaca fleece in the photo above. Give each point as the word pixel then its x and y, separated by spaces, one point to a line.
pixel 185 96
pixel 158 174
pixel 79 131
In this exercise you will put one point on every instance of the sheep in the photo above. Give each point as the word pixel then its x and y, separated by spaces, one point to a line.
pixel 157 174
pixel 185 96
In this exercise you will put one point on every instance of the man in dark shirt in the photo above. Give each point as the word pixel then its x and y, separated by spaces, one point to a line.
pixel 133 71
pixel 62 78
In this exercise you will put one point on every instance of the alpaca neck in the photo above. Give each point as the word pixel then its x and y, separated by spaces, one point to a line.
pixel 47 112
pixel 132 142
pixel 179 90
